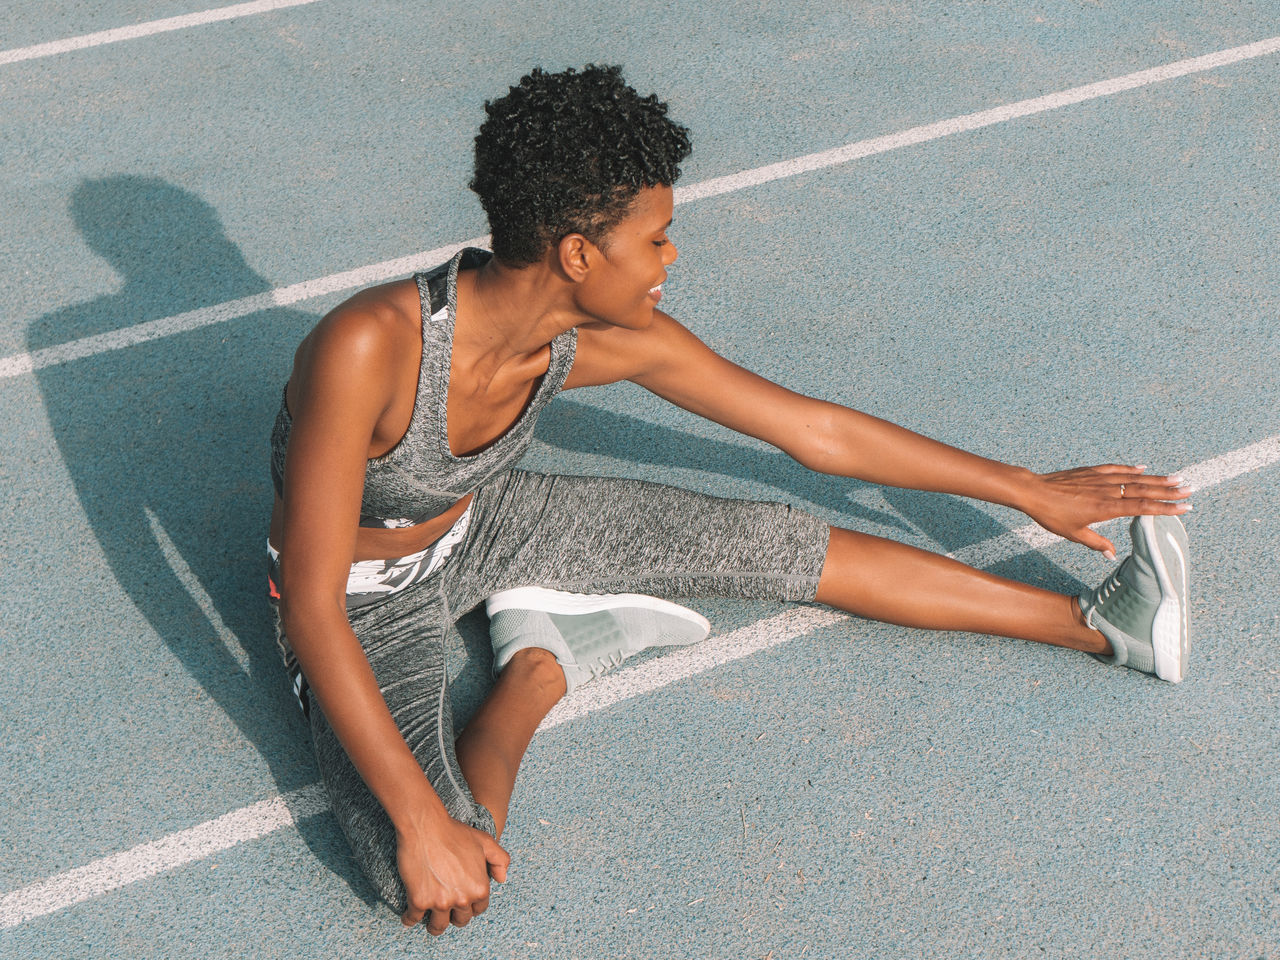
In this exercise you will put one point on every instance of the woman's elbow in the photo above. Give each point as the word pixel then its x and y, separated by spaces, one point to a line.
pixel 302 610
pixel 818 446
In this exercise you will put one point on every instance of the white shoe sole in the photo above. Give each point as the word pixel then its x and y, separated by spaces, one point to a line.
pixel 560 602
pixel 1170 633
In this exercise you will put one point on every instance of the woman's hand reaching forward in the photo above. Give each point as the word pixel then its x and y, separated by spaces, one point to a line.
pixel 1067 502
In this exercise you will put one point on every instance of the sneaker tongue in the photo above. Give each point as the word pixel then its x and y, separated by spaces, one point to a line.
pixel 590 635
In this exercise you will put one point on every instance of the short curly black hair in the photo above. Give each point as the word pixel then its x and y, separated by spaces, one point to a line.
pixel 566 153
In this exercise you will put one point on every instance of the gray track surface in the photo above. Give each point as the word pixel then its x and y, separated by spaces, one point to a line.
pixel 1091 284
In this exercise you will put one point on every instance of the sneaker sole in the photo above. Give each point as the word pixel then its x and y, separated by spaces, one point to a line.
pixel 1170 632
pixel 570 604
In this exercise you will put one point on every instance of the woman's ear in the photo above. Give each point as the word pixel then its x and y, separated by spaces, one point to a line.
pixel 575 254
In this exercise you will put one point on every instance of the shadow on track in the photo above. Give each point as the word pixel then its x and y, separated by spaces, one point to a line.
pixel 580 428
pixel 166 443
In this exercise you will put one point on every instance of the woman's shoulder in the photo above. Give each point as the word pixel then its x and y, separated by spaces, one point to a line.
pixel 373 334
pixel 387 316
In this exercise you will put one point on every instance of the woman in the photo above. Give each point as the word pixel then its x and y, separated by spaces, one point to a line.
pixel 397 509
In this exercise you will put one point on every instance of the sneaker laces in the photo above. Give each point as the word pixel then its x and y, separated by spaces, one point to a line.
pixel 1100 596
pixel 603 665
pixel 1109 586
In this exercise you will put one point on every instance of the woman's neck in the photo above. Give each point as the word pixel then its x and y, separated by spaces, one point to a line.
pixel 507 314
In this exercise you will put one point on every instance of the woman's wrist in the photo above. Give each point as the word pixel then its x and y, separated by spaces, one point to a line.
pixel 1015 487
pixel 417 810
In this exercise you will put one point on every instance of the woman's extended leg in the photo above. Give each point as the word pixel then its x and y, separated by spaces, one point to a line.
pixel 896 583
pixel 597 535
pixel 866 575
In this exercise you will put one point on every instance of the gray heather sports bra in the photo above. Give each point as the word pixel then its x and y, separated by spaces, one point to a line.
pixel 419 478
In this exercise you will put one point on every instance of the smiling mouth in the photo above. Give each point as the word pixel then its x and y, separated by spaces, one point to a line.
pixel 655 293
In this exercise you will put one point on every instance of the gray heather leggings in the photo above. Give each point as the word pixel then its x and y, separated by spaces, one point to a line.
pixel 583 534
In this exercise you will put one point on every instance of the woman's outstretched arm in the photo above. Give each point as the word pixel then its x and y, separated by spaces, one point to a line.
pixel 669 360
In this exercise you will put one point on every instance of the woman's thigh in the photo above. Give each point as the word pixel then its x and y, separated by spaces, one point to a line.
pixel 606 534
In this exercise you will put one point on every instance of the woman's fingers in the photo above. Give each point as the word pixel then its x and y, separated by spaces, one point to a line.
pixel 1071 500
pixel 498 860
pixel 1166 482
pixel 438 919
pixel 456 888
pixel 437 922
pixel 1117 473
pixel 1151 491
pixel 1116 468
pixel 414 912
pixel 1096 541
pixel 1154 508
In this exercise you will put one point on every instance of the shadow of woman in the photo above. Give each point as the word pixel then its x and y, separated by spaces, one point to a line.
pixel 166 442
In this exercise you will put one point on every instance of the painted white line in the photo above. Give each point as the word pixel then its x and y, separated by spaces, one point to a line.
pixel 230 310
pixel 1248 459
pixel 1007 545
pixel 250 823
pixel 681 664
pixel 374 273
pixel 149 859
pixel 22 363
pixel 975 121
pixel 139 333
pixel 195 589
pixel 148 29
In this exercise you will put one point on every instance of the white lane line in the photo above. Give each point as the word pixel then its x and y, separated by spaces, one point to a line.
pixel 975 121
pixel 21 363
pixel 195 589
pixel 1020 540
pixel 1248 459
pixel 250 823
pixel 230 310
pixel 149 859
pixel 267 816
pixel 148 29
pixel 681 664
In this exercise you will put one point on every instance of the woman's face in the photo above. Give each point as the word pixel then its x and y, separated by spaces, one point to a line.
pixel 625 282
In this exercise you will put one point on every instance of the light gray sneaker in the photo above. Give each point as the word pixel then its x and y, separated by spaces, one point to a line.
pixel 589 634
pixel 1142 607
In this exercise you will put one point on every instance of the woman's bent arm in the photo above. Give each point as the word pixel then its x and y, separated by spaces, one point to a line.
pixel 343 382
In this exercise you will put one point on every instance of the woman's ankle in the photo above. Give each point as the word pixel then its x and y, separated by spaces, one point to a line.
pixel 1090 640
pixel 536 670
